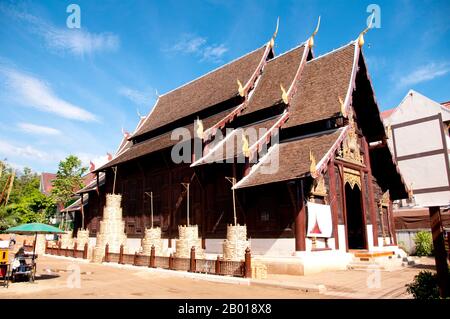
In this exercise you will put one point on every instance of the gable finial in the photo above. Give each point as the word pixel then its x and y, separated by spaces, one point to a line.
pixel 272 40
pixel 284 95
pixel 311 38
pixel 343 112
pixel 361 35
pixel 312 166
pixel 240 88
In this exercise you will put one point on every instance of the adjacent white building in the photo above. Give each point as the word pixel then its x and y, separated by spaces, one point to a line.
pixel 418 130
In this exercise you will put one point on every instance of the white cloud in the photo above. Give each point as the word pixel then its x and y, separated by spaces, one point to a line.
pixel 192 44
pixel 78 42
pixel 38 129
pixel 33 92
pixel 8 149
pixel 189 44
pixel 214 53
pixel 136 96
pixel 424 73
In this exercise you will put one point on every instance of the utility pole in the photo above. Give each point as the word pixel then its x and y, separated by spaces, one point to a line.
pixel 233 182
pixel 186 185
pixel 114 183
pixel 151 206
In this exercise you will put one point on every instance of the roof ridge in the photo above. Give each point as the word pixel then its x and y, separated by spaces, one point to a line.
pixel 288 51
pixel 212 71
pixel 332 51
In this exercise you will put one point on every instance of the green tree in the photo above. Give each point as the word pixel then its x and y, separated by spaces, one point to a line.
pixel 68 179
pixel 26 203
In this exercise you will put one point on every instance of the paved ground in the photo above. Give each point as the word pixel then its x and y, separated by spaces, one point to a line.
pixel 55 277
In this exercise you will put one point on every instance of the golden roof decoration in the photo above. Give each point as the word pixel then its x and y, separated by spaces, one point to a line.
pixel 284 95
pixel 343 112
pixel 311 38
pixel 240 88
pixel 312 166
pixel 361 35
pixel 272 40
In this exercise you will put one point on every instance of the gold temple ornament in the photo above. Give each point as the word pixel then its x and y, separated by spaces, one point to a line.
pixel 272 40
pixel 199 129
pixel 240 88
pixel 284 95
pixel 311 38
pixel 341 102
pixel 245 148
pixel 361 35
pixel 312 166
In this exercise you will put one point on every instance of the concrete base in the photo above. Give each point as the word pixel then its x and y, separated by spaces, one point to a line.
pixel 306 263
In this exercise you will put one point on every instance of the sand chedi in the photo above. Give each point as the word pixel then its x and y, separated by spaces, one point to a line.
pixel 188 238
pixel 112 227
pixel 152 238
pixel 67 239
pixel 236 243
pixel 82 238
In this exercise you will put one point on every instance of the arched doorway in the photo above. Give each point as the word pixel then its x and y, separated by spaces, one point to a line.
pixel 356 232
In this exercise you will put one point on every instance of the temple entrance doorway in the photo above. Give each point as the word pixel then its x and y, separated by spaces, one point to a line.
pixel 356 231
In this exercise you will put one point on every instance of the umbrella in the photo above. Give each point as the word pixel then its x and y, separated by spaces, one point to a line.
pixel 34 228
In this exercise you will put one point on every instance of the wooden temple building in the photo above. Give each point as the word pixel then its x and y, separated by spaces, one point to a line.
pixel 320 151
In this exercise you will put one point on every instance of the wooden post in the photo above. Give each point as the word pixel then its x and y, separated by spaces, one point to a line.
pixel 203 242
pixel 59 248
pixel 248 263
pixel 372 206
pixel 448 245
pixel 85 252
pixel 74 251
pixel 218 265
pixel 192 264
pixel 106 253
pixel 135 258
pixel 46 247
pixel 171 261
pixel 333 203
pixel 300 222
pixel 66 251
pixel 152 257
pixel 121 254
pixel 440 254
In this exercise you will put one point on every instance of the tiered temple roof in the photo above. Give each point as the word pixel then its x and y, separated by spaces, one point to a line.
pixel 302 98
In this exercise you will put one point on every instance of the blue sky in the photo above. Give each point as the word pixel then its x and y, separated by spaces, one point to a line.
pixel 71 91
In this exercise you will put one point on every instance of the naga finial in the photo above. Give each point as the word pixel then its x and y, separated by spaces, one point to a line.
pixel 341 102
pixel 240 88
pixel 361 35
pixel 272 40
pixel 284 94
pixel 312 166
pixel 311 38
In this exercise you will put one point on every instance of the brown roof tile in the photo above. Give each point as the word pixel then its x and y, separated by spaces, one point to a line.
pixel 208 90
pixel 281 69
pixel 293 159
pixel 157 143
pixel 232 146
pixel 323 81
